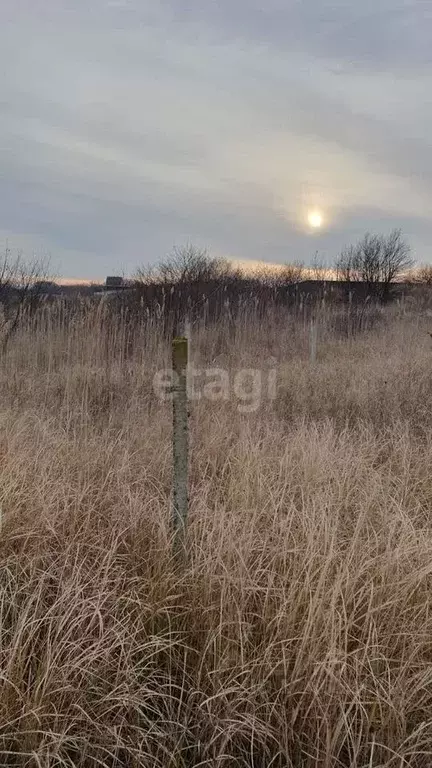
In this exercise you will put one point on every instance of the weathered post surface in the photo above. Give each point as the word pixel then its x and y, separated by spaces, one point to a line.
pixel 180 443
pixel 313 341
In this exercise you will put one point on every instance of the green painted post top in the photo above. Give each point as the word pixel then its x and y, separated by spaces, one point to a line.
pixel 180 352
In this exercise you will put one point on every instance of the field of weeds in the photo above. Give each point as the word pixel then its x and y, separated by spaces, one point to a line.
pixel 299 631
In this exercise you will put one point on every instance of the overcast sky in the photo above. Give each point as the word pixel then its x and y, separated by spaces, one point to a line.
pixel 128 126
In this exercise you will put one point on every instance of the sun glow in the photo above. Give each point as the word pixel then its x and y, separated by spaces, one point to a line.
pixel 315 219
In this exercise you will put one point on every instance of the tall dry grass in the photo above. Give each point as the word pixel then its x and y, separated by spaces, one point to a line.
pixel 300 631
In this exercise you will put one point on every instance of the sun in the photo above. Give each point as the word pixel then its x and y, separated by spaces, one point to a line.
pixel 315 219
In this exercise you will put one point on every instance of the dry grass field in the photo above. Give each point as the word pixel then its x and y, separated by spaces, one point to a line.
pixel 299 632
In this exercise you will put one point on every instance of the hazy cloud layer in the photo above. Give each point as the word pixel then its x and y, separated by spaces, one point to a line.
pixel 127 127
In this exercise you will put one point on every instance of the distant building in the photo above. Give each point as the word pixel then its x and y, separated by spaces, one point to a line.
pixel 112 282
pixel 114 285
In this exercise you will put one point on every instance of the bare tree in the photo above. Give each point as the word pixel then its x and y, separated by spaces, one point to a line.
pixel 396 257
pixel 368 259
pixel 318 267
pixel 146 275
pixel 263 274
pixel 22 287
pixel 422 275
pixel 345 265
pixel 189 264
pixel 377 260
pixel 291 274
pixel 274 276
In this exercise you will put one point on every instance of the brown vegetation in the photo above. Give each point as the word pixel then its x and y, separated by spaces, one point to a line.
pixel 299 633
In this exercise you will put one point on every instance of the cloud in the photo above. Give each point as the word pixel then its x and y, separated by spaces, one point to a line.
pixel 129 127
pixel 392 35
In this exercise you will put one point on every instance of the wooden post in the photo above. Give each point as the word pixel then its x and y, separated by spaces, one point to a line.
pixel 187 332
pixel 180 442
pixel 313 341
